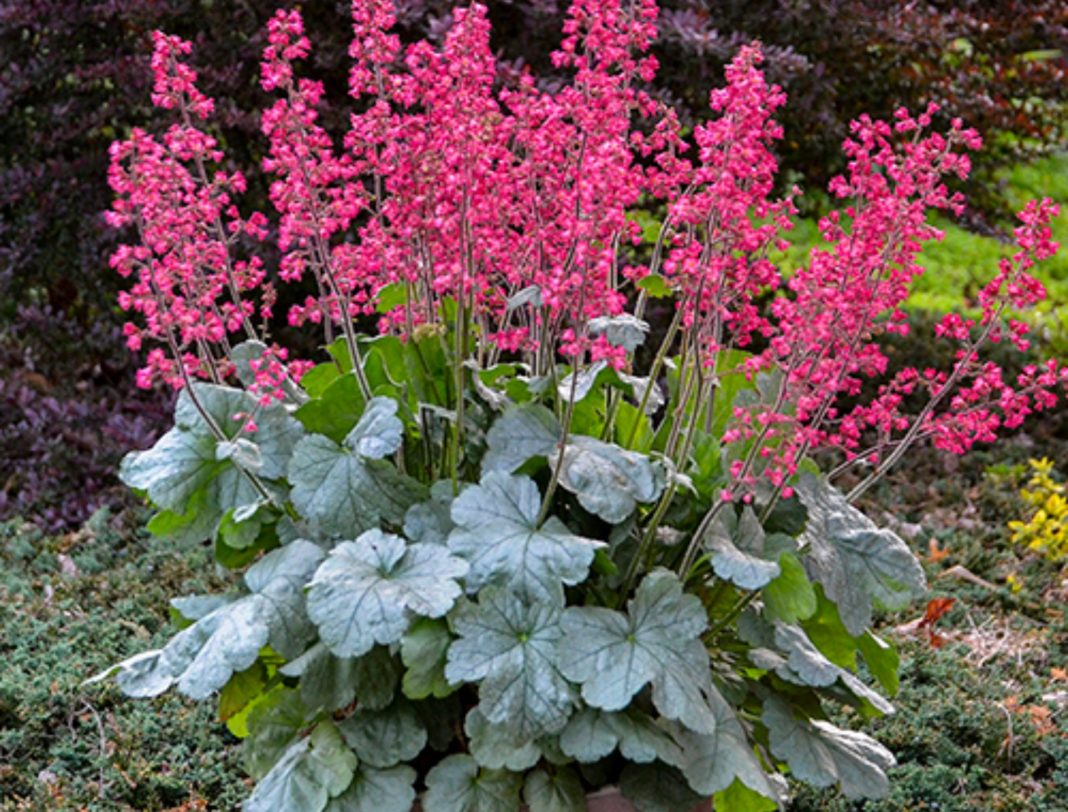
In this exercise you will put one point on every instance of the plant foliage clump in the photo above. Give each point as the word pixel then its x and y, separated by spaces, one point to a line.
pixel 486 556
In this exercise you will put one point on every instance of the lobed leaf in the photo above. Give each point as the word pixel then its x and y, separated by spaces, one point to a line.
pixel 626 331
pixel 737 547
pixel 329 682
pixel 371 790
pixel 858 564
pixel 822 754
pixel 457 784
pixel 593 734
pixel 520 434
pixel 609 481
pixel 559 791
pixel 379 432
pixel 387 737
pixel 496 746
pixel 657 788
pixel 497 532
pixel 311 772
pixel 367 590
pixel 613 655
pixel 712 762
pixel 228 636
pixel 508 645
pixel 342 493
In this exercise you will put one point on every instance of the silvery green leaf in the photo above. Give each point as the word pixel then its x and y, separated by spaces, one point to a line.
pixel 342 493
pixel 194 607
pixel 559 792
pixel 312 771
pixel 232 489
pixel 737 546
pixel 289 530
pixel 137 676
pixel 858 564
pixel 768 385
pixel 367 590
pixel 376 674
pixel 431 521
pixel 806 665
pixel 383 738
pixel 755 629
pixel 497 746
pixel 593 734
pixel 277 580
pixel 609 481
pixel 582 385
pixel 656 787
pixel 531 294
pixel 535 384
pixel 497 532
pixel 274 723
pixel 521 433
pixel 457 784
pixel 821 754
pixel 276 435
pixel 371 790
pixel 508 645
pixel 329 682
pixel 551 752
pixel 673 476
pixel 423 651
pixel 624 331
pixel 242 451
pixel 638 385
pixel 202 657
pixel 176 467
pixel 642 740
pixel 712 762
pixel 589 735
pixel 658 641
pixel 379 432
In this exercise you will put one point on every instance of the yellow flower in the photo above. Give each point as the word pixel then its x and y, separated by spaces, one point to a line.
pixel 1056 505
pixel 1042 466
pixel 1046 531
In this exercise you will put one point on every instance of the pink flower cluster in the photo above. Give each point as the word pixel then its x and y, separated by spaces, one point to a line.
pixel 513 206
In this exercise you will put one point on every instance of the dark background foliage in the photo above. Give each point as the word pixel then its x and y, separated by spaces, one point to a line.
pixel 74 77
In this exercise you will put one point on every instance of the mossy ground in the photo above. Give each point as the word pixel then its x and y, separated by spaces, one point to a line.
pixel 69 607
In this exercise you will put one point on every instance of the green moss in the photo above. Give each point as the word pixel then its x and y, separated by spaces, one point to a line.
pixel 950 736
pixel 64 746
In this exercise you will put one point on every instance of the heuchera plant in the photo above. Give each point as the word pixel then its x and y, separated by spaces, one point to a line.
pixel 490 551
